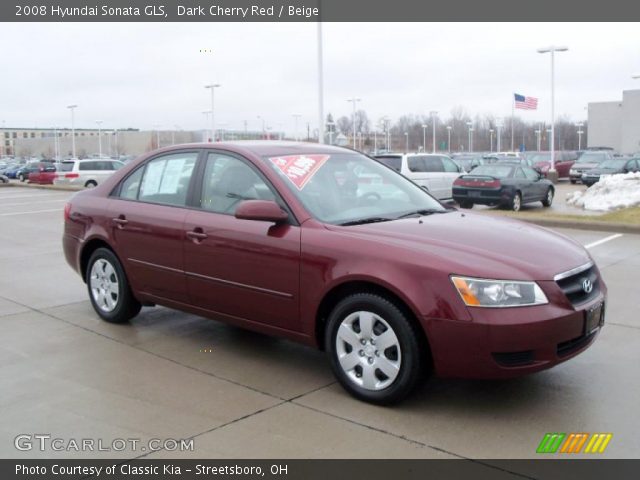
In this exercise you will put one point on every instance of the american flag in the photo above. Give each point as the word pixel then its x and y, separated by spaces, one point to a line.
pixel 526 103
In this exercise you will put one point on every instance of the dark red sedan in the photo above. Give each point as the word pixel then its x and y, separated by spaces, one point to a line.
pixel 43 174
pixel 328 247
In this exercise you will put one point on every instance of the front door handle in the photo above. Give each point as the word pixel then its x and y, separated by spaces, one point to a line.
pixel 196 235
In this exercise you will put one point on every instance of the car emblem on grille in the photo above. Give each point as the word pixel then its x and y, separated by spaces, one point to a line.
pixel 587 286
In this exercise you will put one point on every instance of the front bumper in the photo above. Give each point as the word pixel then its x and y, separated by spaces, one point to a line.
pixel 510 342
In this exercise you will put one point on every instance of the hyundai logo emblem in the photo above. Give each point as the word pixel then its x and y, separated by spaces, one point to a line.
pixel 587 286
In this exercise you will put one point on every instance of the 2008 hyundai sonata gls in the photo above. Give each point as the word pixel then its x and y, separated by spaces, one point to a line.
pixel 328 247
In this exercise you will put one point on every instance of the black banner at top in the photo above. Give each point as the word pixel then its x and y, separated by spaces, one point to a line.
pixel 314 10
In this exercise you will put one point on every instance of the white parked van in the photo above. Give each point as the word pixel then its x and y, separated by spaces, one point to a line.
pixel 434 172
pixel 86 173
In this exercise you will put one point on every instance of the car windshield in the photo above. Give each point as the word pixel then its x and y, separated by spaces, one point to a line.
pixel 541 157
pixel 393 161
pixel 615 163
pixel 495 170
pixel 592 158
pixel 349 188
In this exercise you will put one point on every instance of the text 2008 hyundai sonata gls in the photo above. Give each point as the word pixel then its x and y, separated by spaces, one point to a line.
pixel 328 247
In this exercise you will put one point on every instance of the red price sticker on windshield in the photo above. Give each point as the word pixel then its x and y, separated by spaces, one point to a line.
pixel 299 168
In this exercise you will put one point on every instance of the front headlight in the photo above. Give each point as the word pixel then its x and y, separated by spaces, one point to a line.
pixel 572 171
pixel 476 292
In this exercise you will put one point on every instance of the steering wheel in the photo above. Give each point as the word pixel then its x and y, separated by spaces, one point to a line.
pixel 371 197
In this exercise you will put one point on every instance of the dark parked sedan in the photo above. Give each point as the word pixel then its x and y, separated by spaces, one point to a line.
pixel 331 248
pixel 610 167
pixel 587 161
pixel 502 184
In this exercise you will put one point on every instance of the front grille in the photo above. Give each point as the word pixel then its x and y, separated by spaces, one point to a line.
pixel 514 359
pixel 573 285
pixel 568 347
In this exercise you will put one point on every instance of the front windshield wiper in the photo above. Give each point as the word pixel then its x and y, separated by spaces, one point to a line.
pixel 422 212
pixel 362 221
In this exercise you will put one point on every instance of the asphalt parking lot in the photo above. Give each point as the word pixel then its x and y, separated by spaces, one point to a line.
pixel 244 395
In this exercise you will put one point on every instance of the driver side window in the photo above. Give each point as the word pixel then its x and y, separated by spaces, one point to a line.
pixel 227 181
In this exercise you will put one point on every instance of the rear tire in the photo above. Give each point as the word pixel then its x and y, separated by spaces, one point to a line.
pixel 548 199
pixel 90 184
pixel 108 287
pixel 374 349
pixel 516 202
pixel 466 204
pixel 573 182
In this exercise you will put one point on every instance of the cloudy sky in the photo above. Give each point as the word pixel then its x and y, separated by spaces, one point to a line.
pixel 141 75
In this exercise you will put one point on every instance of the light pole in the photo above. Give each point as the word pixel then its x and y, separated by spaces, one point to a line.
pixel 491 139
pixel 499 125
pixel 375 140
pixel 73 130
pixel 213 87
pixel 206 114
pixel 580 132
pixel 296 117
pixel 406 142
pixel 320 87
pixel 433 121
pixel 354 100
pixel 538 132
pixel 424 137
pixel 264 129
pixel 449 128
pixel 552 49
pixel 157 128
pixel 470 125
pixel 99 123
pixel 385 125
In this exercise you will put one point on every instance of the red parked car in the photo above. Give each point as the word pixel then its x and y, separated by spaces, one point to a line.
pixel 564 160
pixel 43 174
pixel 328 247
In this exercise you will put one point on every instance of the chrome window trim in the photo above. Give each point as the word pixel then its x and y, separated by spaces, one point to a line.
pixel 573 271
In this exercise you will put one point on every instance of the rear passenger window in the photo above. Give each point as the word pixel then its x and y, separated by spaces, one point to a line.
pixel 433 164
pixel 449 166
pixel 166 179
pixel 416 164
pixel 519 173
pixel 88 166
pixel 228 181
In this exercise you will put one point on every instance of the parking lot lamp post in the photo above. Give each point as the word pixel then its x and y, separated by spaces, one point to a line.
pixel 296 117
pixel 354 100
pixel 73 130
pixel 99 123
pixel 491 139
pixel 552 50
pixel 434 119
pixel 424 137
pixel 206 121
pixel 538 132
pixel 449 138
pixel 470 125
pixel 213 87
pixel 330 126
pixel 375 141
pixel 580 132
pixel 406 142
pixel 157 129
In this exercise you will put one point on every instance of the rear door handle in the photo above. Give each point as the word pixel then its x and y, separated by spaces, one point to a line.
pixel 196 235
pixel 120 221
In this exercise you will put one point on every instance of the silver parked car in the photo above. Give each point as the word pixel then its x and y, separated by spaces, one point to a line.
pixel 87 173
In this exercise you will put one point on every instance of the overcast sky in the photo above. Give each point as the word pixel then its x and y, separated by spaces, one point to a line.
pixel 141 75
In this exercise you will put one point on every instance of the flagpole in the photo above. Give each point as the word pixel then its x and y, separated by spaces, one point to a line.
pixel 513 103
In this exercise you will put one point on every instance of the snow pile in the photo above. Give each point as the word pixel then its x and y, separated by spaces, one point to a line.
pixel 612 192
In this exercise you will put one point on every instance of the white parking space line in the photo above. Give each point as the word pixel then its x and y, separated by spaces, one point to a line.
pixel 604 240
pixel 29 213
pixel 37 195
pixel 32 203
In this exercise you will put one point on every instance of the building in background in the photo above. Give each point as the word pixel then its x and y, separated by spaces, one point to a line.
pixel 616 124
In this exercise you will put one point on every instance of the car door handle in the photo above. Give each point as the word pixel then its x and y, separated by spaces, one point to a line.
pixel 196 235
pixel 120 221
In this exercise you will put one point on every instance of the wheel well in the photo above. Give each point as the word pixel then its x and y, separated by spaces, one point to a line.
pixel 344 290
pixel 87 251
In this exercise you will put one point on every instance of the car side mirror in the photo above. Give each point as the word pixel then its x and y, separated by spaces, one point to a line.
pixel 261 210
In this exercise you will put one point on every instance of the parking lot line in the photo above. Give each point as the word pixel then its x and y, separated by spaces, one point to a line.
pixel 33 203
pixel 27 213
pixel 604 240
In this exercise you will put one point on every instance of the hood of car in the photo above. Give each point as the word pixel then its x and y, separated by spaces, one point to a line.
pixel 600 171
pixel 584 166
pixel 476 245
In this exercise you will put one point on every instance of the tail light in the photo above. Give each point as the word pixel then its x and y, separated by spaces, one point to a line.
pixel 477 182
pixel 71 175
pixel 67 211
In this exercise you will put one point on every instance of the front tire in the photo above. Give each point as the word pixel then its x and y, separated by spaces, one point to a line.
pixel 573 182
pixel 374 349
pixel 548 199
pixel 109 290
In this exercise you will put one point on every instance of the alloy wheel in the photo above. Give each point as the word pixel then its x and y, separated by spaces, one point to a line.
pixel 105 287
